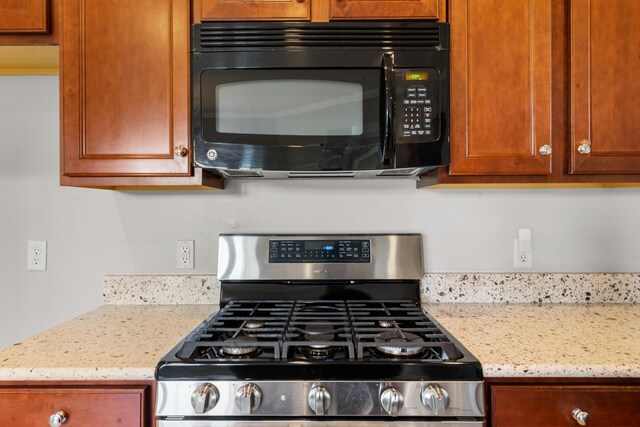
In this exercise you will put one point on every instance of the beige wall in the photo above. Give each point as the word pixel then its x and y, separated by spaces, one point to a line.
pixel 94 232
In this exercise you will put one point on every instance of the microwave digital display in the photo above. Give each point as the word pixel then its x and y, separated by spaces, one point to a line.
pixel 414 76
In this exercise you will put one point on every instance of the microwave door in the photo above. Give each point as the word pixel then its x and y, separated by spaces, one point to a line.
pixel 309 119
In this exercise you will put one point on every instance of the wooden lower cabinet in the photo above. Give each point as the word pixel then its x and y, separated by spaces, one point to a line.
pixel 552 404
pixel 110 404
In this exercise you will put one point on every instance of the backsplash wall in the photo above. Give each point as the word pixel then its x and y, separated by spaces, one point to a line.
pixel 92 233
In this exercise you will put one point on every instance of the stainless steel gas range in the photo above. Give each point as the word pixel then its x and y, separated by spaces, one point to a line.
pixel 322 330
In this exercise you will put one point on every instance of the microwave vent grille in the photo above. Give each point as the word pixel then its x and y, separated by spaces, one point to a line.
pixel 224 36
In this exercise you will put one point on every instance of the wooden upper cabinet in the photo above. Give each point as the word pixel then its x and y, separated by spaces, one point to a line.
pixel 221 10
pixel 388 9
pixel 125 88
pixel 24 16
pixel 317 10
pixel 500 87
pixel 605 84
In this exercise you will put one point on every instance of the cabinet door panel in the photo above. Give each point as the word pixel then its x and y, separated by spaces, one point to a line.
pixel 500 87
pixel 219 10
pixel 24 16
pixel 124 87
pixel 387 9
pixel 514 406
pixel 96 407
pixel 605 86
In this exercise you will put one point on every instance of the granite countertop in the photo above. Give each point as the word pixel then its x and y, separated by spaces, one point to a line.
pixel 548 340
pixel 125 342
pixel 113 342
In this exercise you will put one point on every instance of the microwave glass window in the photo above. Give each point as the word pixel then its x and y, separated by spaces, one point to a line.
pixel 290 107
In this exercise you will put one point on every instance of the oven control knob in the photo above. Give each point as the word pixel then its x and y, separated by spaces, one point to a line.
pixel 319 400
pixel 248 398
pixel 391 400
pixel 435 398
pixel 204 398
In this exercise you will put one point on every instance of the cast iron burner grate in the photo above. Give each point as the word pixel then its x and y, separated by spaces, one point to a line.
pixel 319 330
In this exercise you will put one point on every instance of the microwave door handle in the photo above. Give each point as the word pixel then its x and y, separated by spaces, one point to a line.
pixel 389 101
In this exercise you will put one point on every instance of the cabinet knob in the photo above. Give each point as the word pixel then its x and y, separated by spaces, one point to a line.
pixel 584 147
pixel 181 151
pixel 58 419
pixel 580 416
pixel 545 150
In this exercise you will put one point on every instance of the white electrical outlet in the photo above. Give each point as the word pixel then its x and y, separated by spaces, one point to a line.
pixel 37 255
pixel 521 259
pixel 184 254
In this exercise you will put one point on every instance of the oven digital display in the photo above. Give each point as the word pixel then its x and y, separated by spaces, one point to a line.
pixel 324 251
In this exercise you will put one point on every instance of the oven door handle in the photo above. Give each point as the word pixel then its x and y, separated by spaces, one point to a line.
pixel 388 143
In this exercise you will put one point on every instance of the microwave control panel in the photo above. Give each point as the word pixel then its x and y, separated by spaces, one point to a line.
pixel 417 106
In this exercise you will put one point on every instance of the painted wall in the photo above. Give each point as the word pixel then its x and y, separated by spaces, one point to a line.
pixel 91 233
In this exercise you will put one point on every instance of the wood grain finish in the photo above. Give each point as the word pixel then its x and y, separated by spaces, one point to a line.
pixel 97 406
pixel 605 86
pixel 552 405
pixel 124 88
pixel 50 38
pixel 500 86
pixel 232 10
pixel 24 16
pixel 199 180
pixel 387 9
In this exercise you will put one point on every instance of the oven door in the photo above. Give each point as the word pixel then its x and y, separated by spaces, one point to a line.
pixel 291 119
pixel 310 423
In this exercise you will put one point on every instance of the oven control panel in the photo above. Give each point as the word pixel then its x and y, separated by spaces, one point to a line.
pixel 321 251
pixel 417 108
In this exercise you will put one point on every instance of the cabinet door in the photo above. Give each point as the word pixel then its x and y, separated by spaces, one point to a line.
pixel 387 9
pixel 96 407
pixel 24 16
pixel 124 88
pixel 220 10
pixel 605 128
pixel 514 406
pixel 500 87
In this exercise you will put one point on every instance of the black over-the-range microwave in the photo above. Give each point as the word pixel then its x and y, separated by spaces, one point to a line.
pixel 356 99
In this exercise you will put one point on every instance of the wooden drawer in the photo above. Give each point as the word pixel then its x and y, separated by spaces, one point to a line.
pixel 86 406
pixel 552 405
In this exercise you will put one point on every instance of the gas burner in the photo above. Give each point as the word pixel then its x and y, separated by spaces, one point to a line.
pixel 391 343
pixel 254 324
pixel 386 323
pixel 319 331
pixel 240 347
pixel 318 352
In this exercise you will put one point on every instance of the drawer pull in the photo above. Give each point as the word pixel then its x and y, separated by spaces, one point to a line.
pixel 580 416
pixel 57 419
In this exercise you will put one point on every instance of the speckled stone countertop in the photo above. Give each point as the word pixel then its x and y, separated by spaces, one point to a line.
pixel 110 343
pixel 510 340
pixel 548 340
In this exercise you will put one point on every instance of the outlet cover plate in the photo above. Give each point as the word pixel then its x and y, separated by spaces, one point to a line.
pixel 185 254
pixel 37 255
